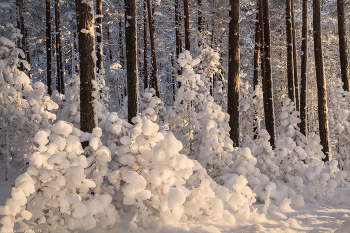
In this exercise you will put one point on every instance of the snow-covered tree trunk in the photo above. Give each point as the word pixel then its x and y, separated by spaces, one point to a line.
pixel 153 50
pixel 303 76
pixel 187 26
pixel 343 45
pixel 48 48
pixel 87 56
pixel 295 66
pixel 131 64
pixel 321 82
pixel 59 61
pixel 233 73
pixel 269 109
pixel 290 67
pixel 99 37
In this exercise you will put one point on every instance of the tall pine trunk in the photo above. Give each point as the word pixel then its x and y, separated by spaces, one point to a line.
pixel 48 47
pixel 187 26
pixel 153 52
pixel 295 65
pixel 343 45
pixel 121 47
pixel 200 26
pixel 59 63
pixel 321 82
pixel 269 111
pixel 262 51
pixel 233 73
pixel 85 17
pixel 131 64
pixel 145 48
pixel 303 75
pixel 290 68
pixel 99 36
pixel 256 62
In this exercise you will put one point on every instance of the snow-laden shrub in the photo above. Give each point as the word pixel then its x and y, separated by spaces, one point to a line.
pixel 164 186
pixel 70 102
pixel 55 192
pixel 339 124
pixel 212 144
pixel 182 118
pixel 24 107
pixel 289 156
pixel 152 107
pixel 266 190
pixel 114 128
pixel 264 155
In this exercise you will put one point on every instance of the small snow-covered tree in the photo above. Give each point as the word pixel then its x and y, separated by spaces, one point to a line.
pixel 338 119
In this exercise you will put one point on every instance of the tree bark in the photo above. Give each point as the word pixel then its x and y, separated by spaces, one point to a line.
pixel 233 73
pixel 20 26
pixel 59 63
pixel 85 17
pixel 27 52
pixel 262 52
pixel 48 47
pixel 200 16
pixel 187 26
pixel 321 82
pixel 99 36
pixel 76 52
pixel 290 68
pixel 131 51
pixel 295 65
pixel 153 50
pixel 269 113
pixel 256 60
pixel 177 32
pixel 303 76
pixel 109 45
pixel 145 49
pixel 343 45
pixel 121 47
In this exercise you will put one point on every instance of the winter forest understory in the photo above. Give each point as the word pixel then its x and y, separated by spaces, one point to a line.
pixel 174 116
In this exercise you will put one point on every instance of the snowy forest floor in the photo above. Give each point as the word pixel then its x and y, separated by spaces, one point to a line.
pixel 316 216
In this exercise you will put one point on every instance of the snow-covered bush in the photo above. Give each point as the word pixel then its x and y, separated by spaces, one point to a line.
pixel 289 156
pixel 55 192
pixel 212 144
pixel 69 102
pixel 164 186
pixel 265 155
pixel 24 108
pixel 152 107
pixel 339 124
